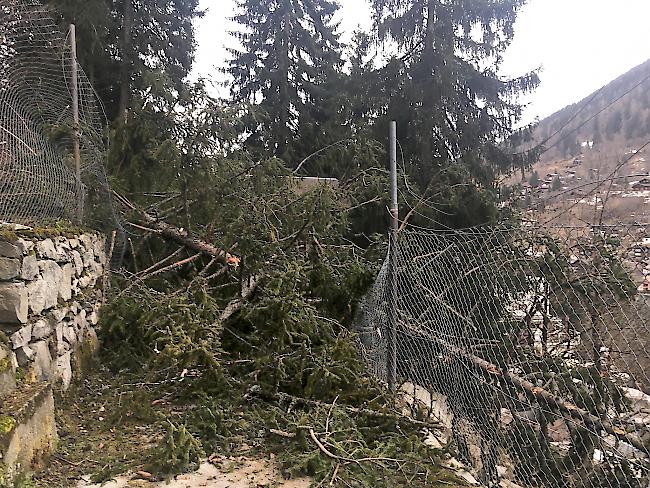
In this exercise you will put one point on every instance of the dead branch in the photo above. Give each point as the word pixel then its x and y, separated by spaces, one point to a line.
pixel 235 305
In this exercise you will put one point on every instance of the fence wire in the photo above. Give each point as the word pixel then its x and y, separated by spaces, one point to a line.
pixel 37 129
pixel 529 345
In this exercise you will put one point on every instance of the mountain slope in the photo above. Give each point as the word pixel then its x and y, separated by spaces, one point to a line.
pixel 622 126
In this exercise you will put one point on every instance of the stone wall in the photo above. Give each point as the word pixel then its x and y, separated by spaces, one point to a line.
pixel 50 294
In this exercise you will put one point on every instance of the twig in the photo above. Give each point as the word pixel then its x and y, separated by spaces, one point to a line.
pixel 162 261
pixel 160 271
pixel 284 397
pixel 330 454
pixel 336 472
pixel 325 451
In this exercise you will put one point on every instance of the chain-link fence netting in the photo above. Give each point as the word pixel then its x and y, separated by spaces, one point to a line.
pixel 529 345
pixel 38 129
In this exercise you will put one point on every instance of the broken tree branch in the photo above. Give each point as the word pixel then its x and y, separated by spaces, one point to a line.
pixel 173 233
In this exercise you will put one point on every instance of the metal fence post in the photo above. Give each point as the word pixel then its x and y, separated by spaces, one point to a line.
pixel 75 117
pixel 391 336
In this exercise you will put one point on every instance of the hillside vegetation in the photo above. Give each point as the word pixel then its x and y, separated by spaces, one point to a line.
pixel 613 119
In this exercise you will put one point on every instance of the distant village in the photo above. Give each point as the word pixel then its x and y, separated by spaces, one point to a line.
pixel 624 201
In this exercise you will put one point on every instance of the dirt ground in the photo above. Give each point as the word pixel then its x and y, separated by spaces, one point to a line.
pixel 220 472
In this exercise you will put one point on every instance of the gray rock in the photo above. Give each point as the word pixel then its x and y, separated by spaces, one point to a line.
pixel 7 373
pixel 12 226
pixel 14 360
pixel 21 337
pixel 14 303
pixel 65 285
pixel 42 329
pixel 62 250
pixel 81 322
pixel 53 276
pixel 9 268
pixel 24 246
pixel 42 361
pixel 30 269
pixel 88 258
pixel 70 336
pixel 78 262
pixel 97 269
pixel 93 318
pixel 102 258
pixel 86 281
pixel 99 247
pixel 58 314
pixel 61 346
pixel 86 241
pixel 64 370
pixel 9 250
pixel 42 295
pixel 74 243
pixel 46 249
pixel 24 355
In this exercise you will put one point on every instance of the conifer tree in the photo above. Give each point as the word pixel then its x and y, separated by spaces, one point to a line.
pixel 287 72
pixel 132 48
pixel 452 106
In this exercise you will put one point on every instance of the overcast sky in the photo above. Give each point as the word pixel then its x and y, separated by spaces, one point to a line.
pixel 579 44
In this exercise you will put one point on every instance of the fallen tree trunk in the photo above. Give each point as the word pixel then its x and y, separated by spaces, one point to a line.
pixel 542 395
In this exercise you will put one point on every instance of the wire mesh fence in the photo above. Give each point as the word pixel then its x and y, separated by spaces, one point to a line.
pixel 38 128
pixel 529 345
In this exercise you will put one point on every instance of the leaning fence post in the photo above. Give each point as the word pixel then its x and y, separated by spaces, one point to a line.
pixel 391 333
pixel 75 118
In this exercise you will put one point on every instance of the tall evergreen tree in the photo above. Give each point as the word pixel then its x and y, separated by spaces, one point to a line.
pixel 454 110
pixel 287 72
pixel 132 48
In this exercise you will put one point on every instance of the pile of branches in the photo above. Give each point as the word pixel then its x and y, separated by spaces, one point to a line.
pixel 236 299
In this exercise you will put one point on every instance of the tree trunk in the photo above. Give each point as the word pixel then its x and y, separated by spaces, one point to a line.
pixel 127 59
pixel 285 104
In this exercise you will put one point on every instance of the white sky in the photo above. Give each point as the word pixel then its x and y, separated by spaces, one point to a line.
pixel 579 44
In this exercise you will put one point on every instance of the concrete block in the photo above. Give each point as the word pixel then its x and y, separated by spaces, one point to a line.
pixel 29 429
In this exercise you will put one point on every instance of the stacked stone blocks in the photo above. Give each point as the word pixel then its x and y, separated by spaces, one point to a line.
pixel 50 293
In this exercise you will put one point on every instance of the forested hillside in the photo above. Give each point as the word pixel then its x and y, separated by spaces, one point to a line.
pixel 615 118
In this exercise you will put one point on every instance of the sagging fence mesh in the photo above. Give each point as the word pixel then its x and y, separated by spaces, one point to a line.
pixel 38 130
pixel 529 345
